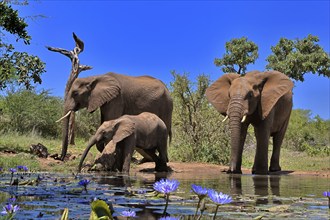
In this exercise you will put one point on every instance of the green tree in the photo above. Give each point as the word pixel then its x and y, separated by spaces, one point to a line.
pixel 198 134
pixel 297 57
pixel 27 111
pixel 306 134
pixel 239 53
pixel 18 67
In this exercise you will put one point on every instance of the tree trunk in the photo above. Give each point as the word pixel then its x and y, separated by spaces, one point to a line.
pixel 75 70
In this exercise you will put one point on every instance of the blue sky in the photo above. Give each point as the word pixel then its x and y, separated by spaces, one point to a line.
pixel 156 37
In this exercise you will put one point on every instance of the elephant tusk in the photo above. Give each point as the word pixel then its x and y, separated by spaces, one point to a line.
pixel 67 114
pixel 243 119
pixel 225 119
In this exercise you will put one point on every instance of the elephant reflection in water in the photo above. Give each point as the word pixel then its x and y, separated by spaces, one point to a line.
pixel 261 186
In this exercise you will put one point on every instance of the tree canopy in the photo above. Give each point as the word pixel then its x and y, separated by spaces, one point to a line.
pixel 291 57
pixel 15 66
pixel 239 53
pixel 297 57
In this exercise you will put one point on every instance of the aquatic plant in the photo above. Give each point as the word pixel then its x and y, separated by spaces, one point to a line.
pixel 84 183
pixel 12 170
pixel 219 199
pixel 24 168
pixel 166 186
pixel 10 210
pixel 169 218
pixel 201 193
pixel 327 194
pixel 12 200
pixel 128 214
pixel 141 191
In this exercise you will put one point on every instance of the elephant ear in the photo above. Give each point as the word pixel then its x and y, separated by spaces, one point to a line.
pixel 276 85
pixel 103 89
pixel 125 128
pixel 218 93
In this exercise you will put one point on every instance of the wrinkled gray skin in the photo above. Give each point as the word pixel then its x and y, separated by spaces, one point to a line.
pixel 266 99
pixel 117 95
pixel 145 131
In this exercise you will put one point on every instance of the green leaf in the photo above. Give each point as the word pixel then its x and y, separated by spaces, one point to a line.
pixel 100 210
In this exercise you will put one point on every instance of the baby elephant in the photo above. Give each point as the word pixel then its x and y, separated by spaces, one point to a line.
pixel 146 131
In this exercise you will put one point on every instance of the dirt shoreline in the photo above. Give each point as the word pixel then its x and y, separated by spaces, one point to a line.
pixel 180 169
pixel 193 170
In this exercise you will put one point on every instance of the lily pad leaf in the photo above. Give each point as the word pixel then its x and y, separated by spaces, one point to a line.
pixel 100 211
pixel 279 208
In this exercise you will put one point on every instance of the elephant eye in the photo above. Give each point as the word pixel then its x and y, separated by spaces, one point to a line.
pixel 249 95
pixel 74 93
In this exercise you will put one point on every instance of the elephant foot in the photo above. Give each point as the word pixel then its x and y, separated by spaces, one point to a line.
pixel 161 168
pixel 275 169
pixel 234 171
pixel 260 172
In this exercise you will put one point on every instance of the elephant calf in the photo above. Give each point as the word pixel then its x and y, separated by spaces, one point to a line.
pixel 145 131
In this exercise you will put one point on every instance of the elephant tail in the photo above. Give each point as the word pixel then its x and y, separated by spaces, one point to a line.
pixel 170 136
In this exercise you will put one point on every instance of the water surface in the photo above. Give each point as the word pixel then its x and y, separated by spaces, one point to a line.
pixel 272 196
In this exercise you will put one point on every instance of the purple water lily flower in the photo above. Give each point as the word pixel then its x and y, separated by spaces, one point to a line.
pixel 10 209
pixel 166 186
pixel 12 170
pixel 219 198
pixel 12 200
pixel 84 182
pixel 1 169
pixel 200 191
pixel 128 213
pixel 327 194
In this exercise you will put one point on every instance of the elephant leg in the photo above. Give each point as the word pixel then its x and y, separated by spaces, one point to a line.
pixel 146 157
pixel 160 163
pixel 128 150
pixel 162 148
pixel 163 156
pixel 277 142
pixel 119 157
pixel 260 165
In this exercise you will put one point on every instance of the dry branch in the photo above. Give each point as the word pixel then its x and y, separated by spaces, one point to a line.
pixel 75 70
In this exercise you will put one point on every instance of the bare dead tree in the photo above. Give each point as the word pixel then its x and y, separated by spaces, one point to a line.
pixel 75 70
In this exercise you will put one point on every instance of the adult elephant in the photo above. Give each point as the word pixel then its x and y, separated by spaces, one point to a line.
pixel 263 99
pixel 116 95
pixel 144 132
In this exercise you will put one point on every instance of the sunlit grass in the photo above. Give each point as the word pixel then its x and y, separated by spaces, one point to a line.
pixel 291 160
pixel 20 146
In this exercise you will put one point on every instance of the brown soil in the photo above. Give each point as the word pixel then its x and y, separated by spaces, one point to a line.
pixel 184 170
pixel 204 170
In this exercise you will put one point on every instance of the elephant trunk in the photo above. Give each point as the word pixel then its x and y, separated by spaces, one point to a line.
pixel 65 136
pixel 89 146
pixel 235 112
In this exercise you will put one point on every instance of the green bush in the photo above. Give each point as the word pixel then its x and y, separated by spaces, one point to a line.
pixel 30 111
pixel 198 134
pixel 306 134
